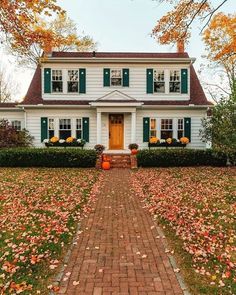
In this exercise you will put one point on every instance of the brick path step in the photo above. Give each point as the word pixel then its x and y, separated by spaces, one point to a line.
pixel 119 160
pixel 117 251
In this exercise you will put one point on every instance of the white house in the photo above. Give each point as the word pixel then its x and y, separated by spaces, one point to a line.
pixel 112 99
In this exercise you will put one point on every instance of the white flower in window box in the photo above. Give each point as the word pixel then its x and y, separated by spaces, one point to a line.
pixel 46 140
pixel 162 140
pixel 79 140
pixel 61 141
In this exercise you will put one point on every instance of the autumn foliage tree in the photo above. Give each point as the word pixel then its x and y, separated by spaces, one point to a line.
pixel 30 26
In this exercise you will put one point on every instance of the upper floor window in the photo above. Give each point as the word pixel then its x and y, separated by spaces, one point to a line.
pixel 51 128
pixel 64 128
pixel 73 81
pixel 116 77
pixel 57 82
pixel 180 131
pixel 174 81
pixel 16 125
pixel 159 81
pixel 166 128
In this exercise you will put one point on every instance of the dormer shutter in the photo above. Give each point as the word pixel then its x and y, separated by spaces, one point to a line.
pixel 106 77
pixel 47 80
pixel 82 80
pixel 149 80
pixel 184 80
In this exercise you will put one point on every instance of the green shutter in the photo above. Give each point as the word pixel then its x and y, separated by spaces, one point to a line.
pixel 126 77
pixel 146 129
pixel 149 80
pixel 44 128
pixel 86 129
pixel 184 81
pixel 47 80
pixel 82 80
pixel 187 128
pixel 106 77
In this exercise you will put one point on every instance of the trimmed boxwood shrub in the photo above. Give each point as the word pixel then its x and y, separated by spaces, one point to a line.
pixel 183 157
pixel 40 157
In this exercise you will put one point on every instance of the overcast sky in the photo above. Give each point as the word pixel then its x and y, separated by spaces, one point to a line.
pixel 116 25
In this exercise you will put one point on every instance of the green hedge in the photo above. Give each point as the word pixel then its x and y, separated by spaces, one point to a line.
pixel 183 157
pixel 42 157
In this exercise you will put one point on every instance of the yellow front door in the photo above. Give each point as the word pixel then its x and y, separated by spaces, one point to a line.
pixel 116 132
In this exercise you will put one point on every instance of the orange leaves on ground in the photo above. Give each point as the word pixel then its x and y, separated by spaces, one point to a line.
pixel 40 210
pixel 199 204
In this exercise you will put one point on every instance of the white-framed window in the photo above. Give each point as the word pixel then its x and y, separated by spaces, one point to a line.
pixel 180 130
pixel 64 128
pixel 116 77
pixel 16 124
pixel 159 81
pixel 72 81
pixel 57 81
pixel 166 128
pixel 153 127
pixel 174 83
pixel 79 128
pixel 51 128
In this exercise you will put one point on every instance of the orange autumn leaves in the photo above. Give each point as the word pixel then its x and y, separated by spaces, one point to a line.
pixel 220 37
pixel 18 20
pixel 199 205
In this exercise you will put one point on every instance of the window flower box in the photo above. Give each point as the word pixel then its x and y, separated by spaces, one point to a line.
pixel 169 142
pixel 69 142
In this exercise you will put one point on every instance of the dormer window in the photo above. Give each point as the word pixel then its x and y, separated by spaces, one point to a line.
pixel 73 81
pixel 57 82
pixel 116 77
pixel 159 81
pixel 174 81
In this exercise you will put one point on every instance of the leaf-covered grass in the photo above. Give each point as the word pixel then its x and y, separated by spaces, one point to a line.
pixel 197 209
pixel 39 212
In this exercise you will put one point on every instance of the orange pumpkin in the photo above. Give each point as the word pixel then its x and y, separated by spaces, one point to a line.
pixel 106 165
pixel 134 152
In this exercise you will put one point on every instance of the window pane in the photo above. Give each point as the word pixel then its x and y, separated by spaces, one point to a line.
pixel 78 124
pixel 50 133
pixel 180 133
pixel 166 134
pixel 115 73
pixel 78 134
pixel 57 86
pixel 73 75
pixel 153 133
pixel 16 125
pixel 116 78
pixel 64 134
pixel 180 123
pixel 51 124
pixel 159 87
pixel 116 81
pixel 153 123
pixel 72 86
pixel 174 81
pixel 64 124
pixel 174 86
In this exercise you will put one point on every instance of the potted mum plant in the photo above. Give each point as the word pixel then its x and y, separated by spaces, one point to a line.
pixel 133 148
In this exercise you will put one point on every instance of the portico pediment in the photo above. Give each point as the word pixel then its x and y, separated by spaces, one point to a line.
pixel 115 96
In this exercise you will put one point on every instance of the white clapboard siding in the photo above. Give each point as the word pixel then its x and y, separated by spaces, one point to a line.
pixel 94 82
pixel 34 122
pixel 195 115
pixel 12 116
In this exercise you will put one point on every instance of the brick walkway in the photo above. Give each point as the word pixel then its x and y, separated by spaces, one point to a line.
pixel 117 251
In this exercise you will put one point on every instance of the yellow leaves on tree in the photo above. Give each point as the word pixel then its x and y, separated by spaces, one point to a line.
pixel 18 18
pixel 176 24
pixel 220 37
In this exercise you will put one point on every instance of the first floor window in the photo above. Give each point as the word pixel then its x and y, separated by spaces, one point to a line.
pixel 72 82
pixel 166 128
pixel 16 125
pixel 174 81
pixel 116 77
pixel 57 83
pixel 159 81
pixel 64 128
pixel 153 128
pixel 180 131
pixel 79 128
pixel 51 128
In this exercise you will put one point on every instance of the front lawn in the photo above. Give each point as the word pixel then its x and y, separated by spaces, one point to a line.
pixel 39 212
pixel 196 208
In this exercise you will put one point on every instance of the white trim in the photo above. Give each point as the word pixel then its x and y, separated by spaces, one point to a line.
pixel 116 104
pixel 99 128
pixel 133 127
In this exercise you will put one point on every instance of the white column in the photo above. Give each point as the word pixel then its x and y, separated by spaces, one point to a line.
pixel 99 128
pixel 133 127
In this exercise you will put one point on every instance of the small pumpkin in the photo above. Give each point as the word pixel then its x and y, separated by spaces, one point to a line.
pixel 134 151
pixel 106 165
pixel 153 139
